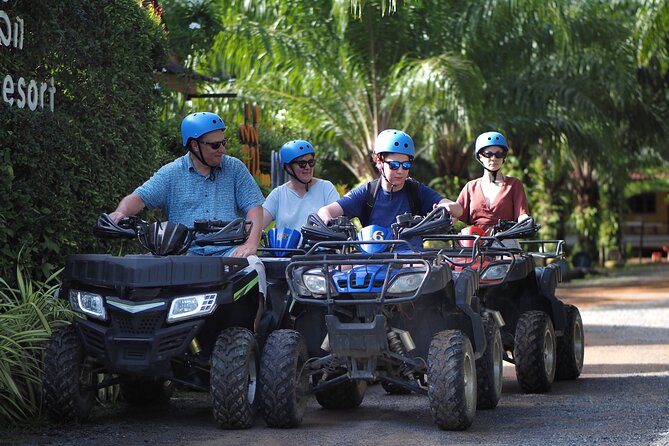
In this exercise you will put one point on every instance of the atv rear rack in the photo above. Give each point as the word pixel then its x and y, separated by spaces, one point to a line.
pixel 542 252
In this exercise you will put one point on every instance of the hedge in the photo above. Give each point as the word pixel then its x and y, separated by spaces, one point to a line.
pixel 60 169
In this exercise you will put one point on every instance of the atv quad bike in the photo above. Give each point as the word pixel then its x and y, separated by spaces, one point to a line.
pixel 398 316
pixel 148 322
pixel 542 336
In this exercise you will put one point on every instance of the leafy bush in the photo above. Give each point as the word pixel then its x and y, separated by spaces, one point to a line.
pixel 60 169
pixel 28 314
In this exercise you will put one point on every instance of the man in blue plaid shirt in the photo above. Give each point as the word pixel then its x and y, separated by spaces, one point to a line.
pixel 203 184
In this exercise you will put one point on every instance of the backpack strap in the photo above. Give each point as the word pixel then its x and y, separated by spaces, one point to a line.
pixel 414 197
pixel 370 199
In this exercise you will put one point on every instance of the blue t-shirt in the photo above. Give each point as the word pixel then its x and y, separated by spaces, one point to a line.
pixel 388 206
pixel 289 210
pixel 185 195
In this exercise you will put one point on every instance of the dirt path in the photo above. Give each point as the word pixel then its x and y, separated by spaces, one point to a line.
pixel 618 287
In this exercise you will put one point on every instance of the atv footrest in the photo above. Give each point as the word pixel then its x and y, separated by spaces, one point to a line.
pixel 405 384
pixel 357 339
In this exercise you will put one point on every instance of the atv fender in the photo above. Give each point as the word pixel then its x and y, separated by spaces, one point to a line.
pixel 548 278
pixel 466 288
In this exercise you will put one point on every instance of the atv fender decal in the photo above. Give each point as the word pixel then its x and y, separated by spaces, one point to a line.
pixel 135 308
pixel 245 289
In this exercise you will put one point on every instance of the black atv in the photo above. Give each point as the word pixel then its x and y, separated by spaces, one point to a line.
pixel 398 316
pixel 543 335
pixel 149 322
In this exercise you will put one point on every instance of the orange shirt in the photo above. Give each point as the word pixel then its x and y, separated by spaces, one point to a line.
pixel 509 204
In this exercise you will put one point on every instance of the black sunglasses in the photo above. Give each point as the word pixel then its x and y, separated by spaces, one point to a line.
pixel 394 165
pixel 215 144
pixel 498 155
pixel 303 163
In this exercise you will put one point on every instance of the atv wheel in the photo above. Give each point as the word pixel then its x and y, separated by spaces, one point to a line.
pixel 147 392
pixel 570 346
pixel 489 368
pixel 234 372
pixel 534 352
pixel 394 389
pixel 283 388
pixel 347 395
pixel 451 380
pixel 66 386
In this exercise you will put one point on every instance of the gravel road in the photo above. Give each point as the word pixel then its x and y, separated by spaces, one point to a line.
pixel 620 399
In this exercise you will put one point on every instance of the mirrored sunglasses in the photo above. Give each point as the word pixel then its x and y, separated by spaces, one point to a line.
pixel 215 145
pixel 394 165
pixel 303 163
pixel 498 155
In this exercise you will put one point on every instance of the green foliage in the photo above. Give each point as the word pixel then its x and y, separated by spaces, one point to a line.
pixel 652 29
pixel 550 201
pixel 59 170
pixel 449 187
pixel 28 314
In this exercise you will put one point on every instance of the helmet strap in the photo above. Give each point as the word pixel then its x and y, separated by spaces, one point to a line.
pixel 291 172
pixel 392 185
pixel 200 158
pixel 493 172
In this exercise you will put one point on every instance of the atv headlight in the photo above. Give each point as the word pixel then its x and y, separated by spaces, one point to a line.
pixel 315 281
pixel 88 303
pixel 496 272
pixel 406 283
pixel 191 306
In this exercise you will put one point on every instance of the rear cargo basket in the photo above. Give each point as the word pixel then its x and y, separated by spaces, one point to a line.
pixel 149 271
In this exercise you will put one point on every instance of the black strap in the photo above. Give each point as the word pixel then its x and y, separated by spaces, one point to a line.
pixel 373 190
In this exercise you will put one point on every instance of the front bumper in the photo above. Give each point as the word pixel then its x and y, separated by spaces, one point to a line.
pixel 137 344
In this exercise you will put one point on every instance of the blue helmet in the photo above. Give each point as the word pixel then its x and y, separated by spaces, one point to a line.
pixel 489 139
pixel 197 124
pixel 295 149
pixel 394 141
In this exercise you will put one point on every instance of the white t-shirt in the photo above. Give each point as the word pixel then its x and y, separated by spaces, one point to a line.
pixel 291 211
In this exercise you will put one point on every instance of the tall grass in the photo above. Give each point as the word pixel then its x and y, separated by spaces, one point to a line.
pixel 28 314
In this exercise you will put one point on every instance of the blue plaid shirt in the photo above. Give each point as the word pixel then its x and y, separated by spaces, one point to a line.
pixel 185 195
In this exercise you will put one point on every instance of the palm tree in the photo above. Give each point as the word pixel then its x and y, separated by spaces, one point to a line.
pixel 339 78
pixel 652 31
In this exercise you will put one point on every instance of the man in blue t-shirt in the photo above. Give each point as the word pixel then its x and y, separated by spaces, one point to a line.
pixel 393 155
pixel 203 184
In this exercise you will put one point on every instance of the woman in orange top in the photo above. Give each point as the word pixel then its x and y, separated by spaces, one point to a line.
pixel 492 197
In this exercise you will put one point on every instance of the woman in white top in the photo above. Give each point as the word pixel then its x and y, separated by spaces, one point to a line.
pixel 291 203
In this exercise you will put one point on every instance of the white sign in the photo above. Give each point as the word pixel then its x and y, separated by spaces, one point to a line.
pixel 11 33
pixel 20 92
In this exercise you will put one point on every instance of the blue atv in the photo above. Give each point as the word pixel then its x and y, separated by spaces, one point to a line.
pixel 149 322
pixel 377 310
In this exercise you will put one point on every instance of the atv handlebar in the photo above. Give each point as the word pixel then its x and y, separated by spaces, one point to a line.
pixel 506 229
pixel 234 232
pixel 438 220
pixel 152 234
pixel 105 227
pixel 339 229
